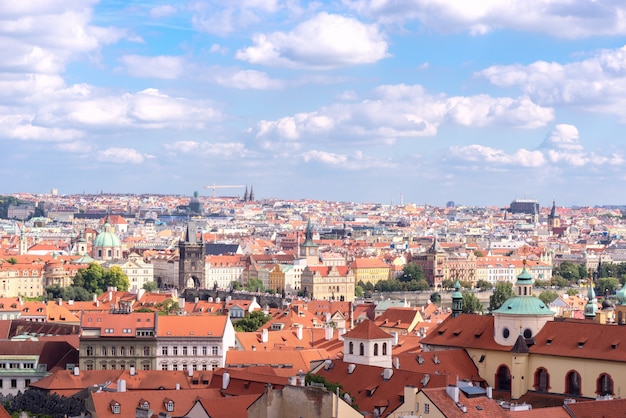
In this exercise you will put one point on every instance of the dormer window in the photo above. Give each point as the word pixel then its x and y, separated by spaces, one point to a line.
pixel 115 407
pixel 169 405
pixel 144 405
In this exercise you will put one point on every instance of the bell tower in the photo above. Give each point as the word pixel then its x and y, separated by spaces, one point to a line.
pixel 191 263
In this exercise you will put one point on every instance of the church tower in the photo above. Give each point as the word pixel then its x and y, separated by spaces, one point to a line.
pixel 457 300
pixel 554 220
pixel 308 249
pixel 191 263
pixel 23 244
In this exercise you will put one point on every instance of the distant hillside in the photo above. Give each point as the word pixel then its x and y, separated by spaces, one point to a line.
pixel 5 201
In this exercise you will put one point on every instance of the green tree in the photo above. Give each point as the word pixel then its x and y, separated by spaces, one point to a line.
pixel 483 285
pixel 12 260
pixel 417 285
pixel 502 292
pixel 235 285
pixel 255 285
pixel 115 277
pixel 150 286
pixel 91 278
pixel 548 296
pixel 75 293
pixel 570 271
pixel 559 281
pixel 606 285
pixel 447 284
pixel 465 284
pixel 571 292
pixel 435 297
pixel 471 304
pixel 479 253
pixel 251 322
pixel 358 291
pixel 167 306
pixel 412 271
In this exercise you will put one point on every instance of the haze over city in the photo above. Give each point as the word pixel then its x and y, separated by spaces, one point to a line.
pixel 352 100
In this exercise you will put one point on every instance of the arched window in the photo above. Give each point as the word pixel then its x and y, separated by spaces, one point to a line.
pixel 542 380
pixel 572 383
pixel 604 385
pixel 361 349
pixel 375 349
pixel 503 378
pixel 384 349
pixel 351 348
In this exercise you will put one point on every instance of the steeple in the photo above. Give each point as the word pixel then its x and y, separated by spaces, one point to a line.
pixel 457 300
pixel 251 197
pixel 592 304
pixel 245 195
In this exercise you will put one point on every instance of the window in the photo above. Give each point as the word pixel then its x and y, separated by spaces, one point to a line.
pixel 205 350
pixel 131 350
pixel 175 351
pixel 146 367
pixel 194 350
pixel 572 383
pixel 361 349
pixel 122 351
pixel 528 333
pixel 426 408
pixel 89 366
pixel 13 383
pixel 174 366
pixel 604 385
pixel 184 350
pixel 169 406
pixel 146 350
pixel 214 350
pixel 542 380
pixel 163 366
pixel 115 407
pixel 103 366
pixel 506 333
pixel 384 349
pixel 113 351
pixel 375 349
pixel 89 350
pixel 104 351
pixel 164 351
pixel 351 348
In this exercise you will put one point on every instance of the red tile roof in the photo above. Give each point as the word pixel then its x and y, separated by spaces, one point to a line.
pixel 367 330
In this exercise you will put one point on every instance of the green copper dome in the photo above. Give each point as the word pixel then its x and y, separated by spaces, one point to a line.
pixel 107 238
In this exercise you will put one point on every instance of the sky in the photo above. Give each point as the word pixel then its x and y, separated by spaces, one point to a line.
pixel 388 101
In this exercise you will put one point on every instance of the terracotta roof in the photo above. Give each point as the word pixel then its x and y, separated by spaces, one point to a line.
pixel 581 339
pixel 369 387
pixel 284 362
pixel 465 331
pixel 367 330
pixel 187 326
pixel 453 362
pixel 229 407
pixel 479 406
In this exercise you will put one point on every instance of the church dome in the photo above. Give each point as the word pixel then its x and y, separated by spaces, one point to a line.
pixel 107 239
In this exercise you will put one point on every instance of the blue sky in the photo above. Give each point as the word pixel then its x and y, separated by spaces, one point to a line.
pixel 479 102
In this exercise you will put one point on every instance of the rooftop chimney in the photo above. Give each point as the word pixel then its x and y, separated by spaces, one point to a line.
pixel 225 380
pixel 264 335
pixel 76 371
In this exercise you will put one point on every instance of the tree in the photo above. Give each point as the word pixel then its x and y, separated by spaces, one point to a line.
pixel 447 284
pixel 483 285
pixel 479 253
pixel 358 291
pixel 150 286
pixel 412 271
pixel 502 292
pixel 607 285
pixel 435 297
pixel 417 285
pixel 115 277
pixel 255 285
pixel 75 293
pixel 167 306
pixel 12 260
pixel 571 292
pixel 251 322
pixel 471 304
pixel 548 296
pixel 91 278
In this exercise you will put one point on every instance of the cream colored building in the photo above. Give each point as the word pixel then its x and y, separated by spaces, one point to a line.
pixel 328 283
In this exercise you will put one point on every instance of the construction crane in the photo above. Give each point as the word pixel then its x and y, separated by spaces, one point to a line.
pixel 215 187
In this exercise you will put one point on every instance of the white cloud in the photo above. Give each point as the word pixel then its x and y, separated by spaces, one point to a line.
pixel 121 156
pixel 226 150
pixel 247 79
pixel 17 126
pixel 167 67
pixel 43 39
pixel 163 10
pixel 146 109
pixel 563 18
pixel 325 41
pixel 597 83
pixel 222 18
pixel 561 148
pixel 483 154
pixel 404 111
pixel 357 161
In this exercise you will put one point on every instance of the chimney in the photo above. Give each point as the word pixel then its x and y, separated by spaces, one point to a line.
pixel 387 373
pixel 110 295
pixel 225 380
pixel 425 380
pixel 264 335
pixel 453 393
pixel 132 371
pixel 121 385
pixel 177 386
pixel 396 338
pixel 340 333
pixel 489 392
pixel 328 333
pixel 396 362
pixel 60 301
pixel 299 332
pixel 181 303
pixel 76 371
pixel 196 300
pixel 189 371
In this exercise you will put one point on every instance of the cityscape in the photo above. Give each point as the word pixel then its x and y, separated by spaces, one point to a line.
pixel 247 306
pixel 314 209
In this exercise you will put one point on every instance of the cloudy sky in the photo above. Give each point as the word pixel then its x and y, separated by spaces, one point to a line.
pixel 479 102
